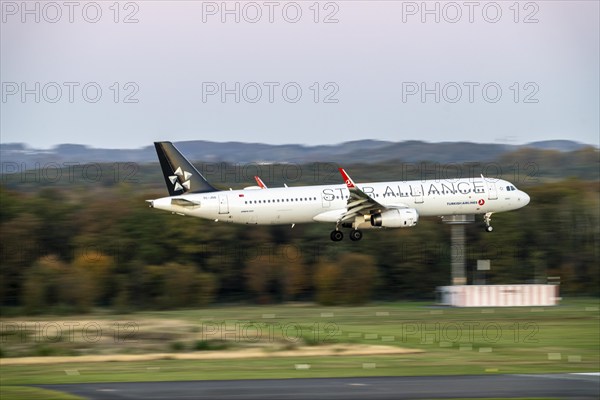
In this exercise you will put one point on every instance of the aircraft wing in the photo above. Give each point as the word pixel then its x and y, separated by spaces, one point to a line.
pixel 360 203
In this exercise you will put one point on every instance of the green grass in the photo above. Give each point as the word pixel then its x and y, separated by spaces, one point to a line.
pixel 275 368
pixel 455 341
pixel 28 393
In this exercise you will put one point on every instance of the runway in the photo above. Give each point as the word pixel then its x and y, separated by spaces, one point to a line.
pixel 565 386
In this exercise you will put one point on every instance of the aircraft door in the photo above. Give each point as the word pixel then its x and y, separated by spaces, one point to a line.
pixel 417 192
pixel 326 200
pixel 492 191
pixel 223 204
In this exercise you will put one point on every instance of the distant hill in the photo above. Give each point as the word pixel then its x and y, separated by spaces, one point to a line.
pixel 363 151
pixel 560 145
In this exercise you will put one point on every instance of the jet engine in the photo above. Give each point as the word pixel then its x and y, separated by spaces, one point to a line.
pixel 397 218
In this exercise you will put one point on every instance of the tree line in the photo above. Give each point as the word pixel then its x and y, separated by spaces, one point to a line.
pixel 76 248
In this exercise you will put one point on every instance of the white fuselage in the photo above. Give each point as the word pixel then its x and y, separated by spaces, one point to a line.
pixel 325 203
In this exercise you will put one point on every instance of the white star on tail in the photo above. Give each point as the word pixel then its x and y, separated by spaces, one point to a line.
pixel 181 179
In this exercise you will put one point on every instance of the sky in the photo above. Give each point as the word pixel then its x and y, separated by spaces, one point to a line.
pixel 122 75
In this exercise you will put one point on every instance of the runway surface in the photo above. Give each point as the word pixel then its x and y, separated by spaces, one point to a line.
pixel 564 386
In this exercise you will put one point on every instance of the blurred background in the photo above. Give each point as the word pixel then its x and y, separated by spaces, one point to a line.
pixel 81 236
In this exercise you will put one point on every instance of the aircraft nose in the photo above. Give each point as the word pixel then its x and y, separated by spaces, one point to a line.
pixel 524 198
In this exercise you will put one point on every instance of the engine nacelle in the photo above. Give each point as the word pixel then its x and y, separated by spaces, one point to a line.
pixel 398 218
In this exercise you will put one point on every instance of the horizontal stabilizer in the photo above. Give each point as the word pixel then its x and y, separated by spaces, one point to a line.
pixel 185 203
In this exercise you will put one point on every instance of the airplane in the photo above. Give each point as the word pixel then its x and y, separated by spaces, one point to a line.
pixel 349 205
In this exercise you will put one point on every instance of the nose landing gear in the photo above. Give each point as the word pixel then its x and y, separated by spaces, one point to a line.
pixel 487 218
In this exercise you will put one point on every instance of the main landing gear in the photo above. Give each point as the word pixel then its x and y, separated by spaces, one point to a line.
pixel 487 218
pixel 337 235
pixel 355 235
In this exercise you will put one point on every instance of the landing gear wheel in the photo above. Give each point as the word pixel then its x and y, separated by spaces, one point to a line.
pixel 336 236
pixel 487 218
pixel 355 235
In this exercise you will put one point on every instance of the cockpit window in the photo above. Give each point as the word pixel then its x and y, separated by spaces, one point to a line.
pixel 510 188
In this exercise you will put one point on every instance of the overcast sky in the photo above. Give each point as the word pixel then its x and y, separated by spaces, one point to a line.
pixel 293 72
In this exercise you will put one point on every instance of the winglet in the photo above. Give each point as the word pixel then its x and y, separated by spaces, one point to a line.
pixel 347 180
pixel 260 182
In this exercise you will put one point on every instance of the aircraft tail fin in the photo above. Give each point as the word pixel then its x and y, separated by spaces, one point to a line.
pixel 180 175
